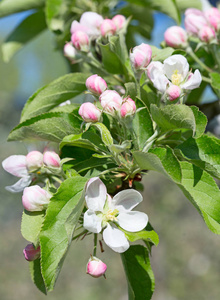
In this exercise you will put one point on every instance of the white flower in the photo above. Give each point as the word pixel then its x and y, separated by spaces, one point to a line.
pixel 106 213
pixel 173 71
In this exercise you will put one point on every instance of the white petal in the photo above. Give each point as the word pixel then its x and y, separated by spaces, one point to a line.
pixel 176 62
pixel 193 82
pixel 92 222
pixel 95 194
pixel 76 26
pixel 126 200
pixel 133 220
pixel 19 185
pixel 16 165
pixel 155 73
pixel 115 239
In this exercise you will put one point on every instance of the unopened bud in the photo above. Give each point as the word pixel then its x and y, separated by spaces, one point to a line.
pixel 194 20
pixel 128 108
pixel 96 267
pixel 89 112
pixel 69 51
pixel 108 27
pixel 175 37
pixel 173 92
pixel 51 159
pixel 35 198
pixel 96 84
pixel 80 41
pixel 213 17
pixel 34 160
pixel 110 101
pixel 119 21
pixel 140 56
pixel 206 34
pixel 30 253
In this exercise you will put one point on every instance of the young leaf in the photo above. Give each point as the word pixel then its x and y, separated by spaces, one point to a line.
pixel 105 133
pixel 148 236
pixel 215 77
pixel 61 218
pixel 201 121
pixel 48 126
pixel 28 29
pixel 161 54
pixel 58 91
pixel 36 276
pixel 8 7
pixel 204 152
pixel 139 274
pixel 31 225
pixel 184 4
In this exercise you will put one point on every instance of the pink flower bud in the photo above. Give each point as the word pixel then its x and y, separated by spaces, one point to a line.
pixel 108 27
pixel 30 253
pixel 69 51
pixel 140 56
pixel 89 112
pixel 34 160
pixel 80 41
pixel 110 101
pixel 119 21
pixel 206 34
pixel 173 92
pixel 51 159
pixel 128 107
pixel 35 198
pixel 96 84
pixel 213 17
pixel 175 37
pixel 194 20
pixel 96 267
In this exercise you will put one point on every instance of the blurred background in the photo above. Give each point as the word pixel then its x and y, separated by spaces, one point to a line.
pixel 187 261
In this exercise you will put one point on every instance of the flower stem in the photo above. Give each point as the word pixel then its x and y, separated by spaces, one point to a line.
pixel 95 244
pixel 196 59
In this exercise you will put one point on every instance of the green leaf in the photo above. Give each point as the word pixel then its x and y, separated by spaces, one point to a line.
pixel 142 124
pixel 62 216
pixel 31 226
pixel 200 188
pixel 105 133
pixel 201 121
pixel 57 12
pixel 161 54
pixel 148 236
pixel 215 78
pixel 23 33
pixel 161 160
pixel 94 162
pixel 131 90
pixel 204 152
pixel 36 276
pixel 48 126
pixel 174 117
pixel 140 277
pixel 58 91
pixel 8 7
pixel 184 4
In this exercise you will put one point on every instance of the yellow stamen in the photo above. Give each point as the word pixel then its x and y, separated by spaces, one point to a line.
pixel 111 215
pixel 176 78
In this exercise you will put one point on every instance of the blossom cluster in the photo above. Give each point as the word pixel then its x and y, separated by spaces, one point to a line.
pixel 203 25
pixel 90 27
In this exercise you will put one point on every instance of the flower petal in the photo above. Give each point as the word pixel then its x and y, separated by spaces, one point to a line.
pixel 133 220
pixel 95 194
pixel 176 63
pixel 92 222
pixel 19 185
pixel 156 74
pixel 115 239
pixel 126 200
pixel 193 82
pixel 16 165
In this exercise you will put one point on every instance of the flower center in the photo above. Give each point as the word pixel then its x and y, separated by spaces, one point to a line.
pixel 176 78
pixel 110 215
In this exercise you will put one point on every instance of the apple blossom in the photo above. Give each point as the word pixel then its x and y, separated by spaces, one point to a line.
pixel 206 34
pixel 110 101
pixel 108 27
pixel 105 214
pixel 194 20
pixel 30 253
pixel 89 112
pixel 35 198
pixel 128 107
pixel 176 37
pixel 213 17
pixel 34 160
pixel 140 56
pixel 51 159
pixel 80 41
pixel 95 267
pixel 70 52
pixel 89 23
pixel 119 21
pixel 96 84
